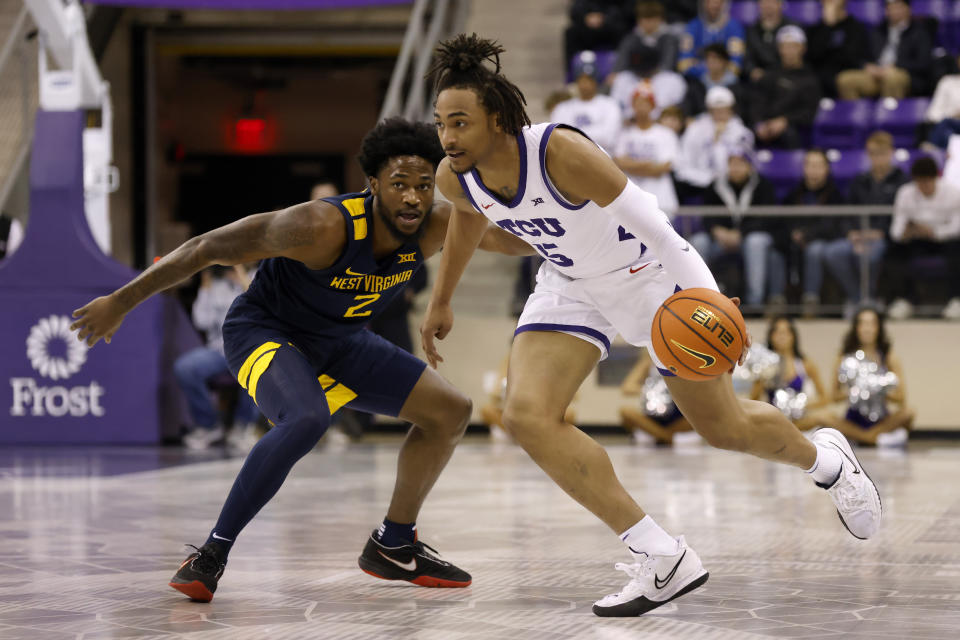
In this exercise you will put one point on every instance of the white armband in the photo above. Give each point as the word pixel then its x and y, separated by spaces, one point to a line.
pixel 637 211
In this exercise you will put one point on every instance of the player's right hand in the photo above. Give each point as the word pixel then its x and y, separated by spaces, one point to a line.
pixel 99 318
pixel 437 323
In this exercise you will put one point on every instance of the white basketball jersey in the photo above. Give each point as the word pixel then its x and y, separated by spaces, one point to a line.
pixel 582 241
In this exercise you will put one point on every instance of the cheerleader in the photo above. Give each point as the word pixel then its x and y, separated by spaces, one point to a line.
pixel 797 388
pixel 870 379
pixel 658 420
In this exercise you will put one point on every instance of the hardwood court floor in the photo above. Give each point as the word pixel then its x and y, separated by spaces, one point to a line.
pixel 87 544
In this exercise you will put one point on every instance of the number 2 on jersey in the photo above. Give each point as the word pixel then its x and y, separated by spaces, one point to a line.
pixel 354 311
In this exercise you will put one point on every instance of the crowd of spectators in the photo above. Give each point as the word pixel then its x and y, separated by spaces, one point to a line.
pixel 684 96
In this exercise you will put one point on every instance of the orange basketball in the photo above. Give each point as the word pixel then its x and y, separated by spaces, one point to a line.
pixel 698 334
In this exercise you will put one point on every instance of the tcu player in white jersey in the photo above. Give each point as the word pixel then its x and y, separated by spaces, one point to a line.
pixel 612 259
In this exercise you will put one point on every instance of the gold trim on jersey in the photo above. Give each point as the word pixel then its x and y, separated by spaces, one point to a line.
pixel 254 366
pixel 337 394
pixel 355 207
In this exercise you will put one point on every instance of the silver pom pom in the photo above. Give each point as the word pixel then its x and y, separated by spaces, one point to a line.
pixel 761 364
pixel 656 397
pixel 868 384
pixel 790 402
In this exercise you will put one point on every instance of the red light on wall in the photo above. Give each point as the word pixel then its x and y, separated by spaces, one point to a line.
pixel 252 135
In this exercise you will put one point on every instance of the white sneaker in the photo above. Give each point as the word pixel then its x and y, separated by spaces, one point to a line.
pixel 243 436
pixel 896 438
pixel 853 492
pixel 654 581
pixel 200 438
pixel 899 309
pixel 952 310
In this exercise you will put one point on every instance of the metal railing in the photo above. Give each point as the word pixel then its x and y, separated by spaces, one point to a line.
pixel 430 22
pixel 18 100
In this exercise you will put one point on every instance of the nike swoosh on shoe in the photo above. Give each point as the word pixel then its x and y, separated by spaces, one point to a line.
pixel 408 566
pixel 660 584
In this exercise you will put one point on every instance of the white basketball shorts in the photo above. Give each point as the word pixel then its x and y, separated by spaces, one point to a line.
pixel 597 309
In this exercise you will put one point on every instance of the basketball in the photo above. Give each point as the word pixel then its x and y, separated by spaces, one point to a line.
pixel 698 334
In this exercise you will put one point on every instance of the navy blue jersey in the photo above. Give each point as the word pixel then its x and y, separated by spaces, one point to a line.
pixel 341 299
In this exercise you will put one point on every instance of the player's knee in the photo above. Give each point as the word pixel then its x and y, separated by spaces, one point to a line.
pixel 451 417
pixel 459 412
pixel 306 424
pixel 522 419
pixel 306 429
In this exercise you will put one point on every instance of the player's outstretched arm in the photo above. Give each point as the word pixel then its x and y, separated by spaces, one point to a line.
pixel 312 232
pixel 494 240
pixel 464 232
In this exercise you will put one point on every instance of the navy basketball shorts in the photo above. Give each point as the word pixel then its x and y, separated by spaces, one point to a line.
pixel 360 370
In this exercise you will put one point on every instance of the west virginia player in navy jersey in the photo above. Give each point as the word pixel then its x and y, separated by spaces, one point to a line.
pixel 297 344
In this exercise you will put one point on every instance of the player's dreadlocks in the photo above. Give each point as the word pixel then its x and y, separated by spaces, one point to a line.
pixel 459 64
pixel 397 137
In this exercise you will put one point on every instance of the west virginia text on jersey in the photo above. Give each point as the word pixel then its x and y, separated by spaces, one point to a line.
pixel 338 300
pixel 372 284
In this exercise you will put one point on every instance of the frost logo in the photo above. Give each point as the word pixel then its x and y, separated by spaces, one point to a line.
pixel 38 348
pixel 55 353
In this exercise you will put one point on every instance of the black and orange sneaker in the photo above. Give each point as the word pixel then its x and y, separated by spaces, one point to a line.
pixel 411 562
pixel 197 576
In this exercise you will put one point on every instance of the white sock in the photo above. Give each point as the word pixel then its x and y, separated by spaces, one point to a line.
pixel 647 537
pixel 826 468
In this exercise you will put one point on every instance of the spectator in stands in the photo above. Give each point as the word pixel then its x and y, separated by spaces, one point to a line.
pixel 597 115
pixel 837 43
pixel 713 25
pixel 876 186
pixel 707 141
pixel 785 99
pixel 718 74
pixel 194 369
pixel 11 235
pixel 595 25
pixel 646 152
pixel 926 222
pixel 901 61
pixel 672 118
pixel 324 189
pixel 944 110
pixel 754 237
pixel 762 46
pixel 555 98
pixel 643 64
pixel 809 237
pixel 652 32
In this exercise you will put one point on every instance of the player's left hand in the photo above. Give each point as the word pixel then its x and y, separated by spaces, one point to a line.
pixel 99 318
pixel 747 339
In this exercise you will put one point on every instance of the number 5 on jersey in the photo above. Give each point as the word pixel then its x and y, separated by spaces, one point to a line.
pixel 354 311
pixel 556 258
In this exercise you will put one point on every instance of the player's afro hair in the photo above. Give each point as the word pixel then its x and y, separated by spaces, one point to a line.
pixel 398 137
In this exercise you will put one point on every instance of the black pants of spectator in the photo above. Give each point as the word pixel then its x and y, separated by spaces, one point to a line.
pixel 579 37
pixel 902 275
